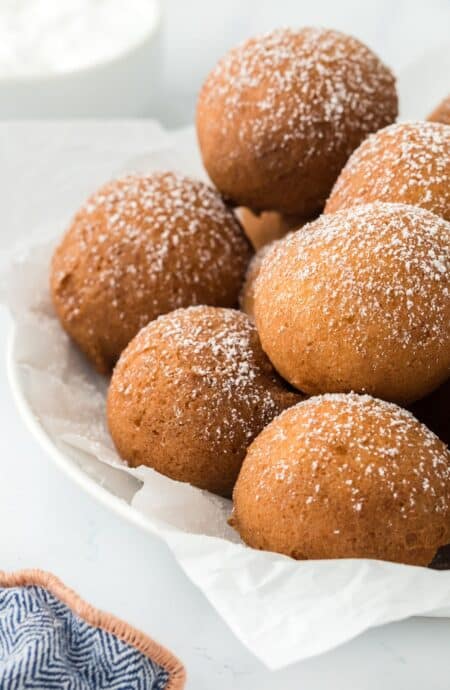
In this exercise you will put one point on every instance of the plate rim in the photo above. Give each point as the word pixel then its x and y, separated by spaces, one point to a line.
pixel 67 466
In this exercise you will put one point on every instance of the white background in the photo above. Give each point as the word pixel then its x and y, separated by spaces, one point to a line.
pixel 198 32
pixel 47 522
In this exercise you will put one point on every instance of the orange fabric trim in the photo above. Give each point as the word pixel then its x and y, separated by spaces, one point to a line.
pixel 99 619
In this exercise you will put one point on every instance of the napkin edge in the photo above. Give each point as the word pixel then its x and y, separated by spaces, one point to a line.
pixel 100 619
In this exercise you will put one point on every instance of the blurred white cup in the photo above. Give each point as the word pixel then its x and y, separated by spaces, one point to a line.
pixel 125 83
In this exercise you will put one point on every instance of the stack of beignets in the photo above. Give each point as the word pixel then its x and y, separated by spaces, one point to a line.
pixel 352 308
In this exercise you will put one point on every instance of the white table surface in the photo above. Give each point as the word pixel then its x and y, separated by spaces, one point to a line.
pixel 47 522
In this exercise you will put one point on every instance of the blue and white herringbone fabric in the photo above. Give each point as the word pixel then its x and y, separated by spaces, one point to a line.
pixel 44 645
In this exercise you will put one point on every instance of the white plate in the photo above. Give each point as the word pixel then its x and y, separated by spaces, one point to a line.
pixel 415 102
pixel 282 610
pixel 63 460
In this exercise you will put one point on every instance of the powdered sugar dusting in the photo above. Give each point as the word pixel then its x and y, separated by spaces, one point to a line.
pixel 406 162
pixel 156 241
pixel 215 353
pixel 360 443
pixel 384 264
pixel 314 85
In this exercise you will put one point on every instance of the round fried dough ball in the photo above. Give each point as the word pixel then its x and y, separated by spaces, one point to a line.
pixel 140 247
pixel 360 301
pixel 406 163
pixel 441 113
pixel 247 296
pixel 189 394
pixel 279 116
pixel 345 476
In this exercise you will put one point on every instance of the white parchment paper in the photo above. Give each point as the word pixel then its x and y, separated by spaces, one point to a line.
pixel 282 610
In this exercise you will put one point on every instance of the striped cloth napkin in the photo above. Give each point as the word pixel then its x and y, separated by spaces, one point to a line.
pixel 52 639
